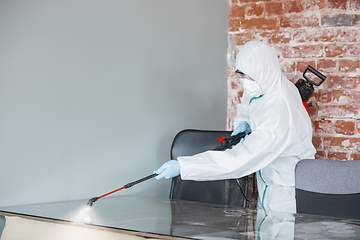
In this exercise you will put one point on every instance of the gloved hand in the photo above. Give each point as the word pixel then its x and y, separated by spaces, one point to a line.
pixel 242 127
pixel 168 170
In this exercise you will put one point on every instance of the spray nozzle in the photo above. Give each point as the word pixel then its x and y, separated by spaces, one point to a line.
pixel 91 201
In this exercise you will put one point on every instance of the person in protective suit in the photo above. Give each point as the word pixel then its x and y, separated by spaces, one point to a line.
pixel 281 134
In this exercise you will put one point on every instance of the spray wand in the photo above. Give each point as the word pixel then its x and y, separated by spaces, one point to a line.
pixel 94 199
pixel 226 143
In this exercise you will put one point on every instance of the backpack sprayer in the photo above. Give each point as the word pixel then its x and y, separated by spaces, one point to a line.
pixel 225 144
pixel 306 89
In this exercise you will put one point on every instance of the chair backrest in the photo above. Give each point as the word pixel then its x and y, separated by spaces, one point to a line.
pixel 190 142
pixel 330 188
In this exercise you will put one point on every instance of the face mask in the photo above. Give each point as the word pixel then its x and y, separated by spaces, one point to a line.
pixel 252 87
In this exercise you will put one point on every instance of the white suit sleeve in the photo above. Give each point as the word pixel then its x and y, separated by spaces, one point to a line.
pixel 266 143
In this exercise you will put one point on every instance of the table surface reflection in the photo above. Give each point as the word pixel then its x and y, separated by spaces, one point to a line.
pixel 166 218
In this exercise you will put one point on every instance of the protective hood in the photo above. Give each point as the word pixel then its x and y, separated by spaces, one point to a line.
pixel 260 62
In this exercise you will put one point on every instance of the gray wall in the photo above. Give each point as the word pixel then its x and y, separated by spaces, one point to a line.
pixel 92 92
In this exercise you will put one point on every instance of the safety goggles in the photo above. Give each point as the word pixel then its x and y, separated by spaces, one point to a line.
pixel 242 75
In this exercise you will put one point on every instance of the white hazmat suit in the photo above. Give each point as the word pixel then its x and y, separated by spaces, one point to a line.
pixel 281 134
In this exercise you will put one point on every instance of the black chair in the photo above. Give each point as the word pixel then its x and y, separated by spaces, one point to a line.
pixel 226 192
pixel 329 188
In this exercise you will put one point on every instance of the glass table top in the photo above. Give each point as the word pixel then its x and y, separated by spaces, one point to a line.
pixel 190 219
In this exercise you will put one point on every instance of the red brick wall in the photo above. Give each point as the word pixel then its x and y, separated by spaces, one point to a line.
pixel 322 33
